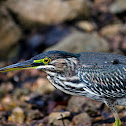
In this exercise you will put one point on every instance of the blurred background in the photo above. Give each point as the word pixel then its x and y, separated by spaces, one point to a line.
pixel 30 27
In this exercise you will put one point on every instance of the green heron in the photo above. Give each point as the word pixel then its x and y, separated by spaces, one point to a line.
pixel 96 75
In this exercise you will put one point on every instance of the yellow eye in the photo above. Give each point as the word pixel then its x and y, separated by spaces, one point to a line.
pixel 46 60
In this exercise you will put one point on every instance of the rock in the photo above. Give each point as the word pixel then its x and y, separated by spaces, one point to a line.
pixel 57 116
pixel 118 6
pixel 1 109
pixel 59 108
pixel 17 115
pixel 42 86
pixel 2 92
pixel 31 115
pixel 47 11
pixel 85 105
pixel 63 122
pixel 123 45
pixel 113 29
pixel 19 92
pixel 73 105
pixel 123 29
pixel 5 88
pixel 87 26
pixel 81 120
pixel 8 103
pixel 115 33
pixel 81 42
pixel 9 33
pixel 120 108
pixel 110 30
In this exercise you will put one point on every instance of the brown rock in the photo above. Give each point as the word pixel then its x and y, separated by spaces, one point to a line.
pixel 42 86
pixel 47 11
pixel 110 30
pixel 75 103
pixel 4 88
pixel 9 33
pixel 81 120
pixel 57 115
pixel 17 115
pixel 19 93
pixel 59 108
pixel 82 104
pixel 123 46
pixel 113 29
pixel 63 122
pixel 31 115
pixel 123 29
pixel 86 25
pixel 8 103
pixel 1 109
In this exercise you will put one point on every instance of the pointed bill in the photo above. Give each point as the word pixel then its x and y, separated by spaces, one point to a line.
pixel 19 66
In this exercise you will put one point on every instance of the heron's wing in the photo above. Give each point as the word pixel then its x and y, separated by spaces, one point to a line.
pixel 104 80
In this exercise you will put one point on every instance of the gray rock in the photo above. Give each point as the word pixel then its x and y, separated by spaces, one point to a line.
pixel 47 11
pixel 9 33
pixel 118 6
pixel 81 42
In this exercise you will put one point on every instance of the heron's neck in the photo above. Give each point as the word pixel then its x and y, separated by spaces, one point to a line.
pixel 65 84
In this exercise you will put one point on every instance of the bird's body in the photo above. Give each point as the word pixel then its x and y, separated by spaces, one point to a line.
pixel 99 76
pixel 94 75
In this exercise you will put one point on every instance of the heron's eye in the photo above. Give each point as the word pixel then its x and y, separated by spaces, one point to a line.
pixel 46 60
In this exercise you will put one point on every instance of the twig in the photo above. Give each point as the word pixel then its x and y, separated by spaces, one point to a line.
pixel 62 120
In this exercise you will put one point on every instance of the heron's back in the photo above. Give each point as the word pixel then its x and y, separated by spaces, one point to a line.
pixel 103 74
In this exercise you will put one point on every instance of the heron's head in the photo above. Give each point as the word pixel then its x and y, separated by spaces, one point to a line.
pixel 48 61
